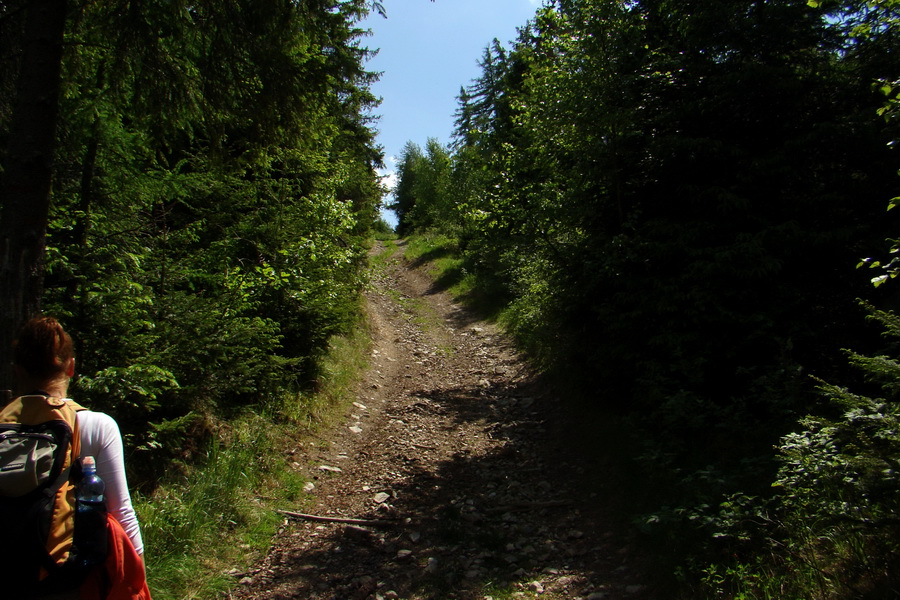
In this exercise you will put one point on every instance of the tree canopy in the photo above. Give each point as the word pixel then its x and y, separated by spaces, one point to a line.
pixel 212 190
pixel 670 198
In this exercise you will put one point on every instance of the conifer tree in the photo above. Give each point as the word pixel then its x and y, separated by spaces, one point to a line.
pixel 27 163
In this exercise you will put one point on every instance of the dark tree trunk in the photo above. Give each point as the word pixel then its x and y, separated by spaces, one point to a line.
pixel 25 187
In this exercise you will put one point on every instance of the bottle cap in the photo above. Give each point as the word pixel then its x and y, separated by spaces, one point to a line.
pixel 87 462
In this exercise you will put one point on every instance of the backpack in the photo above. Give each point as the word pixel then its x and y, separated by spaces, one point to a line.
pixel 51 541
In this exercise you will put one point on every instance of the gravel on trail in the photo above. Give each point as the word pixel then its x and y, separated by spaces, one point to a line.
pixel 450 478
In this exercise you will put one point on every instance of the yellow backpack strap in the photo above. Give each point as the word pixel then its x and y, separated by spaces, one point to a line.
pixel 37 409
pixel 62 524
pixel 66 411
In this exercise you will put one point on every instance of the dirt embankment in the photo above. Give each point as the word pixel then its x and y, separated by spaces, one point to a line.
pixel 455 460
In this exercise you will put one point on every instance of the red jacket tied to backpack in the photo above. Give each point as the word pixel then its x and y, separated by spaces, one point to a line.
pixel 122 577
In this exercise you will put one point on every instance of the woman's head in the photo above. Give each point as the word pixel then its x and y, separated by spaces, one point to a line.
pixel 43 350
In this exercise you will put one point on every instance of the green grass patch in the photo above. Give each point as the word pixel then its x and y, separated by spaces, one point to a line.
pixel 445 262
pixel 424 315
pixel 427 246
pixel 186 523
pixel 747 582
pixel 218 514
pixel 347 356
pixel 383 231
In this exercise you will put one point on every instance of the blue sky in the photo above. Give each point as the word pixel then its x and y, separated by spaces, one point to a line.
pixel 427 50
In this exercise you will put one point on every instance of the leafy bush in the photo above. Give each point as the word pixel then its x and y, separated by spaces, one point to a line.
pixel 206 243
pixel 832 530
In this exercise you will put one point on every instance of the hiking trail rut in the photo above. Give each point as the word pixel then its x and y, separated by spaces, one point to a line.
pixel 459 454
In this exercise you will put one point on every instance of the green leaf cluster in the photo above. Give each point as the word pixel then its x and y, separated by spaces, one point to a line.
pixel 423 196
pixel 669 197
pixel 830 530
pixel 213 194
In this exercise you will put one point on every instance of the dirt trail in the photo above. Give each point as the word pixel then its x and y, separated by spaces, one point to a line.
pixel 453 442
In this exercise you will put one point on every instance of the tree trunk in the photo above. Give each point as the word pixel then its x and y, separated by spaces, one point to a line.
pixel 25 187
pixel 77 286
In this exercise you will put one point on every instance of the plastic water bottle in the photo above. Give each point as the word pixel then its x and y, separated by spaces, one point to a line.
pixel 89 543
pixel 92 487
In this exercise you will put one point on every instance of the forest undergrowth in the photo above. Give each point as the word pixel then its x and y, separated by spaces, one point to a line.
pixel 819 522
pixel 216 515
pixel 676 207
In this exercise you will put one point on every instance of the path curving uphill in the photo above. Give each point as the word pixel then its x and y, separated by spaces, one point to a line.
pixel 449 478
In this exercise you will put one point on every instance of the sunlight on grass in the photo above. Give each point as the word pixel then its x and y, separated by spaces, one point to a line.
pixel 203 527
pixel 211 518
pixel 347 357
pixel 379 261
pixel 444 262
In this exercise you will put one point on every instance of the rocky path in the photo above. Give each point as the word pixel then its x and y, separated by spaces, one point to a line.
pixel 453 461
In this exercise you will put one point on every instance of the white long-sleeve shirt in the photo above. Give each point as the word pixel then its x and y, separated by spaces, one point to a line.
pixel 100 438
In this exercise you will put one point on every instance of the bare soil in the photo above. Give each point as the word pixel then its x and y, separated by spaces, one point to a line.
pixel 455 458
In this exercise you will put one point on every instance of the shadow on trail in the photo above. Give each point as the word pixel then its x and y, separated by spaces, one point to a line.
pixel 477 524
pixel 447 279
pixel 431 256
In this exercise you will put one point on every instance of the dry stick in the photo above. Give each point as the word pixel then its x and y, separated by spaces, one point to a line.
pixel 528 505
pixel 306 517
pixel 421 446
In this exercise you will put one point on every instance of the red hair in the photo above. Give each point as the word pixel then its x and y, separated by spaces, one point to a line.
pixel 43 348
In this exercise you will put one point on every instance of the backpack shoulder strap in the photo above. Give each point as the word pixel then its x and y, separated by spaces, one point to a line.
pixel 66 410
pixel 12 412
pixel 36 409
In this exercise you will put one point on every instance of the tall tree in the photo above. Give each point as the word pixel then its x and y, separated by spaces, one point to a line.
pixel 681 181
pixel 211 195
pixel 27 169
pixel 409 169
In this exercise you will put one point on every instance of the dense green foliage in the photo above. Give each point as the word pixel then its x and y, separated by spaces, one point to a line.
pixel 667 198
pixel 422 198
pixel 671 197
pixel 213 189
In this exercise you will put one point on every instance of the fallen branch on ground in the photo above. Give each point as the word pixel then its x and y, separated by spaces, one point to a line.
pixel 527 505
pixel 423 447
pixel 323 519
